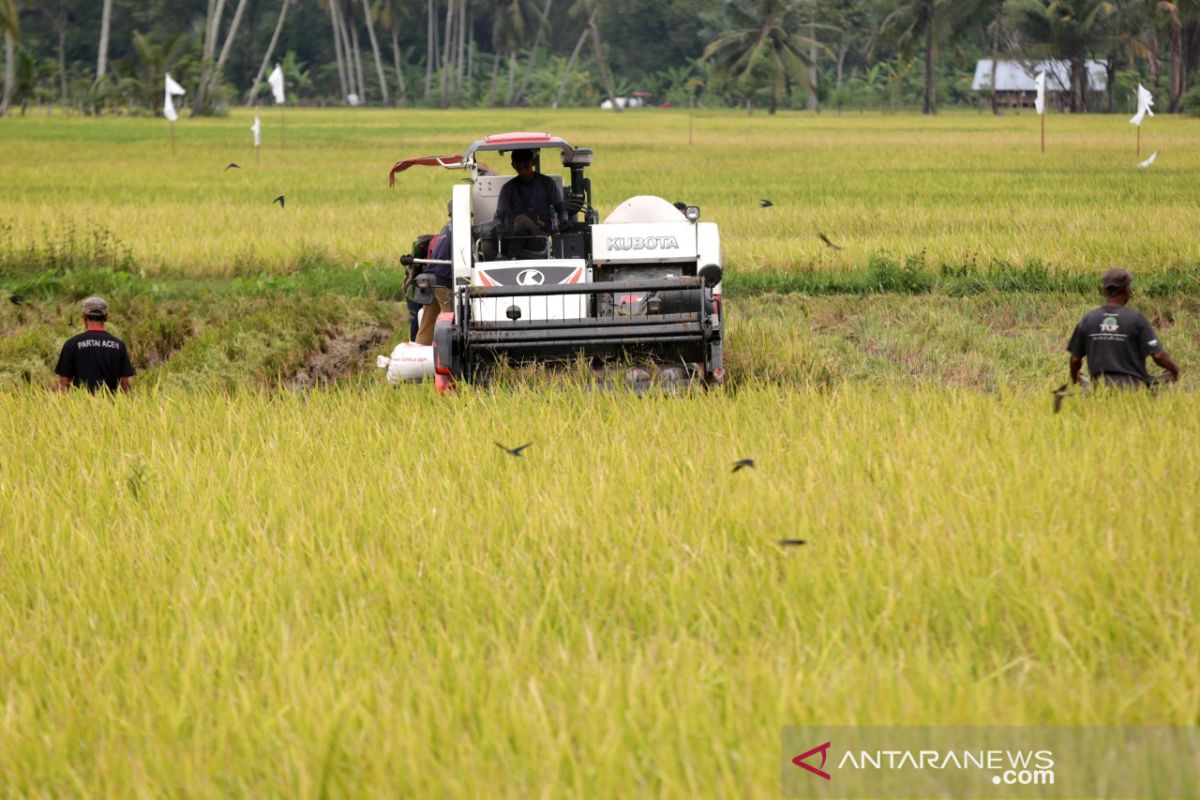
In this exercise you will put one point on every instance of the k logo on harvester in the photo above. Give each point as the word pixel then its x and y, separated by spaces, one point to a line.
pixel 823 749
pixel 531 277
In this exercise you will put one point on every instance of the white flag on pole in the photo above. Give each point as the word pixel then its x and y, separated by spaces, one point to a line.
pixel 256 128
pixel 1145 100
pixel 276 81
pixel 1039 102
pixel 171 88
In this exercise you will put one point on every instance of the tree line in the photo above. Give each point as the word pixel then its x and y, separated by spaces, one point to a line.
pixel 111 55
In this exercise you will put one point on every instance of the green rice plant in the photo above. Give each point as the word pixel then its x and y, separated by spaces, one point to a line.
pixel 958 191
pixel 355 592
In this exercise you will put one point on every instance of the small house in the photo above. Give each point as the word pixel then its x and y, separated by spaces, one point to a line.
pixel 1016 85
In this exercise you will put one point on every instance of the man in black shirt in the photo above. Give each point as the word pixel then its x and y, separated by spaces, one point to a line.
pixel 1115 340
pixel 530 204
pixel 443 285
pixel 95 358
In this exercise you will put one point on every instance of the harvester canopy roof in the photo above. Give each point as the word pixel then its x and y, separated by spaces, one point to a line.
pixel 521 140
pixel 497 142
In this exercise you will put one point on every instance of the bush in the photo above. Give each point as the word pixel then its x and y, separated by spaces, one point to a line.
pixel 1191 101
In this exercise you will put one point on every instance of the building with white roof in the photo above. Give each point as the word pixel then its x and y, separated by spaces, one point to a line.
pixel 1015 84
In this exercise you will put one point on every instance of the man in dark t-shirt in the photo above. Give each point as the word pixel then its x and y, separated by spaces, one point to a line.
pixel 443 285
pixel 1115 340
pixel 94 359
pixel 531 203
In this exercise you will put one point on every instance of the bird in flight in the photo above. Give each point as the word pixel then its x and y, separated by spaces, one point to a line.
pixel 232 165
pixel 16 299
pixel 828 243
pixel 281 200
pixel 513 451
pixel 742 463
pixel 792 542
pixel 1060 393
pixel 765 203
pixel 1149 160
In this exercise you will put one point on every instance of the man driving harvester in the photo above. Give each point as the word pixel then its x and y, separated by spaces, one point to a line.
pixel 531 204
pixel 1115 339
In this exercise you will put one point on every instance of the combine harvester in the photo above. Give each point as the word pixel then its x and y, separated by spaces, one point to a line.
pixel 638 294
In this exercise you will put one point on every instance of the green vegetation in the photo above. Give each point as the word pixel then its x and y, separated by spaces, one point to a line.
pixel 810 54
pixel 960 193
pixel 219 586
pixel 357 593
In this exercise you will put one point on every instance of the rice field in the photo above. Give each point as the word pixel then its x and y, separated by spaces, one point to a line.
pixel 355 592
pixel 239 583
pixel 963 189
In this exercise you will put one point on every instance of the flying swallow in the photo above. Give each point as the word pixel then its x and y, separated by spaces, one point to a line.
pixel 743 462
pixel 513 451
pixel 281 200
pixel 828 243
pixel 1059 394
pixel 16 299
pixel 792 542
pixel 765 203
pixel 232 166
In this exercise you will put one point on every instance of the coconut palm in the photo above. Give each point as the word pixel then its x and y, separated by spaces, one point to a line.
pixel 102 54
pixel 765 47
pixel 1070 29
pixel 154 60
pixel 924 24
pixel 10 25
pixel 1181 18
pixel 510 27
pixel 262 68
pixel 368 14
pixel 395 16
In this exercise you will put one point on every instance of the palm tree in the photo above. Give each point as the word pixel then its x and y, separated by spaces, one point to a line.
pixel 105 26
pixel 395 16
pixel 10 24
pixel 58 14
pixel 533 50
pixel 214 78
pixel 1070 29
pixel 383 87
pixel 8 16
pixel 928 22
pixel 1182 19
pixel 570 65
pixel 509 28
pixel 262 68
pixel 153 62
pixel 765 47
pixel 1133 40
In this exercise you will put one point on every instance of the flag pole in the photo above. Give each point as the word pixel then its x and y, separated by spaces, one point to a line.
pixel 172 138
pixel 1043 118
pixel 691 110
pixel 282 133
pixel 1139 141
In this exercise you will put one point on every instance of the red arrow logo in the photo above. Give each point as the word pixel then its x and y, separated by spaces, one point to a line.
pixel 823 749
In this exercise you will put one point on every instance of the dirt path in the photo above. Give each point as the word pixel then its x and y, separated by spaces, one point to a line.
pixel 338 357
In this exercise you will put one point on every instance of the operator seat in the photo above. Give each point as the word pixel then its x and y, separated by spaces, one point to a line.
pixel 485 195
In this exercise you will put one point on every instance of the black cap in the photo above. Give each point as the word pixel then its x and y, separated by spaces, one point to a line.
pixel 1115 281
pixel 522 156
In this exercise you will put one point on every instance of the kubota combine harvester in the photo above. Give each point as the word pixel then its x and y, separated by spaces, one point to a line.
pixel 639 292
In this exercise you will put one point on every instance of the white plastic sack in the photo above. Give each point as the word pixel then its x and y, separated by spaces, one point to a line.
pixel 408 362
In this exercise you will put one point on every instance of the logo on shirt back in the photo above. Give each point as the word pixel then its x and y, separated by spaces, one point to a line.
pixel 1109 323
